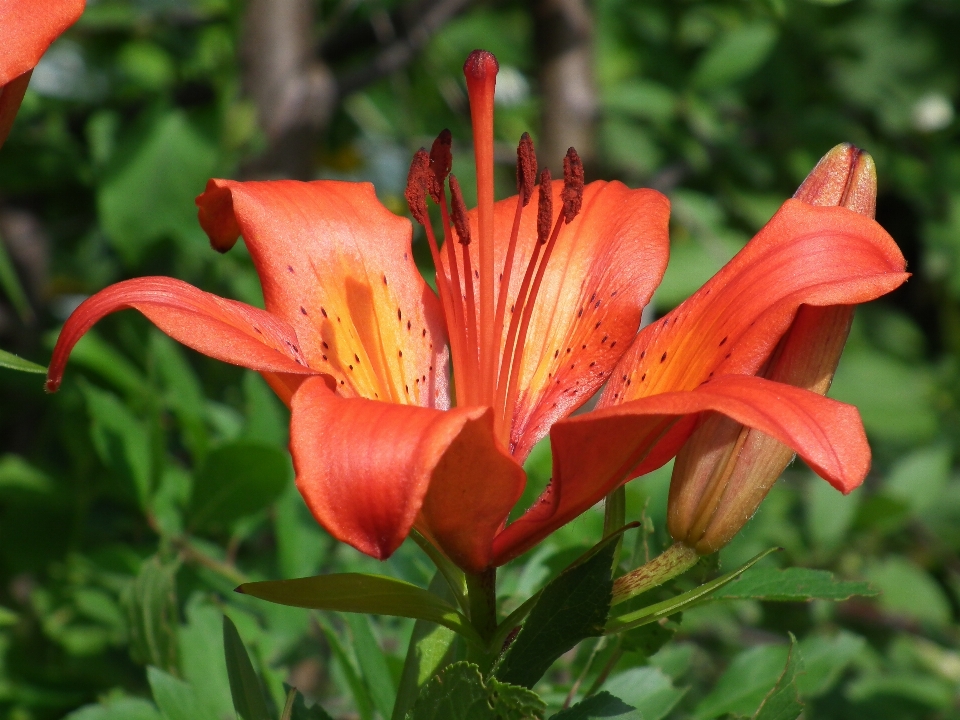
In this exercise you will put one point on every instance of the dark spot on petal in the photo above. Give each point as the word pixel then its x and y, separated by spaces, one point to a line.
pixel 289 268
pixel 342 382
pixel 613 294
pixel 357 358
pixel 258 330
pixel 322 311
pixel 324 357
pixel 643 354
pixel 593 297
pixel 604 340
pixel 593 363
pixel 597 325
pixel 399 314
pixel 384 279
pixel 408 324
pixel 580 312
pixel 302 310
pixel 400 353
pixel 643 377
pixel 597 305
pixel 612 344
pixel 406 388
pixel 727 356
pixel 663 357
pixel 568 349
pixel 350 366
pixel 556 353
pixel 722 342
pixel 711 374
pixel 583 347
pixel 424 333
pixel 325 346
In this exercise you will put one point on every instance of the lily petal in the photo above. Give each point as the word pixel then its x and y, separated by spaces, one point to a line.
pixel 27 27
pixel 805 255
pixel 601 274
pixel 370 470
pixel 337 266
pixel 595 453
pixel 223 329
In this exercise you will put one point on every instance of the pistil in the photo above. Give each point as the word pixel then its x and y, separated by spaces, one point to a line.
pixel 480 71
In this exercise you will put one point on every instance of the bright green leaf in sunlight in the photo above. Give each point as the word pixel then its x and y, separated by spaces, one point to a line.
pixel 783 700
pixel 248 698
pixel 572 607
pixel 237 480
pixel 15 362
pixel 149 196
pixel 602 705
pixel 459 691
pixel 361 593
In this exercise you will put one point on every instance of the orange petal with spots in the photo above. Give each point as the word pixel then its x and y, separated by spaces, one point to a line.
pixel 805 255
pixel 596 452
pixel 337 266
pixel 27 27
pixel 369 471
pixel 223 329
pixel 601 274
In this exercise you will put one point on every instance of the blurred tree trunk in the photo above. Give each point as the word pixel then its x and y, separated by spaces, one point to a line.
pixel 294 92
pixel 563 37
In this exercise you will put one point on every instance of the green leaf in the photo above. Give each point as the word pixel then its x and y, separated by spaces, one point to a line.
pixel 122 708
pixel 824 660
pixel 648 689
pixel 783 700
pixel 791 585
pixel 357 688
pixel 570 608
pixel 151 603
pixel 237 480
pixel 430 646
pixel 362 593
pixel 15 362
pixel 735 55
pixel 460 692
pixel 373 665
pixel 597 707
pixel 176 699
pixel 647 639
pixel 17 473
pixel 202 659
pixel 749 681
pixel 245 688
pixel 99 356
pixel 300 711
pixel 150 196
pixel 121 440
pixel 652 613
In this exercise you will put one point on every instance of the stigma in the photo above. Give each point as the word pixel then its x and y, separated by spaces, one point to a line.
pixel 487 332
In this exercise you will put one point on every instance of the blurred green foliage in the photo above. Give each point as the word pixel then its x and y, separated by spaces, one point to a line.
pixel 132 502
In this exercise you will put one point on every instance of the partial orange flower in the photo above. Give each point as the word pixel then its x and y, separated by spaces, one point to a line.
pixel 27 27
pixel 537 309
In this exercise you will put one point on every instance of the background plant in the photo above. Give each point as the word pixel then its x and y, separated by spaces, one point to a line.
pixel 135 500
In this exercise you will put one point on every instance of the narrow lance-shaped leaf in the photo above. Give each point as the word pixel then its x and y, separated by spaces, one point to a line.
pixel 248 699
pixel 652 613
pixel 362 593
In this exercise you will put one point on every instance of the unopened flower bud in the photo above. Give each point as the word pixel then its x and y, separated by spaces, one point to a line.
pixel 725 469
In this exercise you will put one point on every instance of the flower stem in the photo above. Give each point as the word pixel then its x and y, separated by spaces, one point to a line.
pixel 482 599
pixel 674 561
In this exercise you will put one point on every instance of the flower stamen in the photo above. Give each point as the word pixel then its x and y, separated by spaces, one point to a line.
pixel 472 394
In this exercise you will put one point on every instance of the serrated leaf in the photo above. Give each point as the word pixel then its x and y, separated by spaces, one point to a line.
pixel 597 707
pixel 363 593
pixel 237 480
pixel 686 600
pixel 15 362
pixel 460 692
pixel 572 607
pixel 783 700
pixel 791 585
pixel 245 688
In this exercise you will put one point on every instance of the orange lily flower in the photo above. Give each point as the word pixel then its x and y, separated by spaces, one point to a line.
pixel 27 27
pixel 535 311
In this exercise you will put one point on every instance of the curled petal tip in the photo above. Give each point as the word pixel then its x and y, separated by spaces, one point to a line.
pixel 847 177
pixel 216 215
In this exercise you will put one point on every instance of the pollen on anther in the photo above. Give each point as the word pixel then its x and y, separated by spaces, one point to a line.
pixel 526 168
pixel 544 207
pixel 459 210
pixel 441 160
pixel 572 194
pixel 419 180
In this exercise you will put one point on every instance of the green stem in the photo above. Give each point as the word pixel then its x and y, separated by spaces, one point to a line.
pixel 614 518
pixel 450 572
pixel 482 601
pixel 674 561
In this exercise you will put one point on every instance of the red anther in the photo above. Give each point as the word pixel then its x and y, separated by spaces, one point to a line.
pixel 441 160
pixel 526 168
pixel 545 207
pixel 572 194
pixel 418 180
pixel 459 211
pixel 481 65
